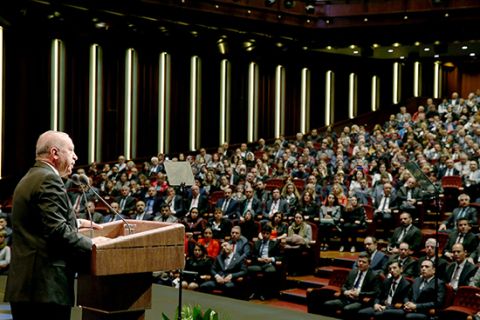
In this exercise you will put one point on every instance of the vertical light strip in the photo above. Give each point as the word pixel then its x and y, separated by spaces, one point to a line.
pixel 329 97
pixel 375 93
pixel 397 80
pixel 95 104
pixel 224 101
pixel 195 97
pixel 55 85
pixel 352 95
pixel 164 103
pixel 252 108
pixel 279 101
pixel 130 104
pixel 2 102
pixel 305 101
pixel 437 79
pixel 417 75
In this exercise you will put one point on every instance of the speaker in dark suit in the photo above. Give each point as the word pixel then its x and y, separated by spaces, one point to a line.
pixel 463 235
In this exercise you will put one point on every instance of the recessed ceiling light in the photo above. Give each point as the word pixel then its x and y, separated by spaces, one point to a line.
pixel 390 50
pixel 405 18
pixel 217 6
pixel 365 20
pixel 352 46
pixel 329 48
pixel 426 49
pixel 436 43
pixel 402 57
pixel 436 55
pixel 472 54
pixel 417 43
pixel 446 15
pixel 355 52
pixel 396 45
pixel 464 47
pixel 375 45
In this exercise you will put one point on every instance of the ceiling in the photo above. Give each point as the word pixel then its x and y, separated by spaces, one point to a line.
pixel 383 29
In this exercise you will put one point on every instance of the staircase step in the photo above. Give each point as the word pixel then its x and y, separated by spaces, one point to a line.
pixel 309 281
pixel 297 295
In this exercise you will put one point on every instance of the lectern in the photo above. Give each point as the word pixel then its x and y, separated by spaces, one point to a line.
pixel 119 284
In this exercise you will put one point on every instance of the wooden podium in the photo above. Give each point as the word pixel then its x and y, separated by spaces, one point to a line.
pixel 119 285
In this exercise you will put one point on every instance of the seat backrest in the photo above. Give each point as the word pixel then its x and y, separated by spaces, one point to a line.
pixel 214 196
pixel 449 295
pixel 368 211
pixel 451 182
pixel 338 276
pixel 466 296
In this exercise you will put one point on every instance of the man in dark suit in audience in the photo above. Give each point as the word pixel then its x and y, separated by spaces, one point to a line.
pixel 384 205
pixel 152 201
pixel 462 211
pixel 378 260
pixel 427 292
pixel 408 195
pixel 406 232
pixel 228 205
pixel 126 202
pixel 394 290
pixel 175 202
pixel 196 200
pixel 430 254
pixel 239 242
pixel 275 204
pixel 250 203
pixel 227 268
pixel 448 170
pixel 362 282
pixel 460 271
pixel 408 264
pixel 265 254
pixel 140 213
pixel 463 235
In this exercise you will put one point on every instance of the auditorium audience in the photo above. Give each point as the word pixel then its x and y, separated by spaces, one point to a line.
pixel 349 169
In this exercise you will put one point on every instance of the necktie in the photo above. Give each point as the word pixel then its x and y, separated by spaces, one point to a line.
pixel 391 292
pixel 402 235
pixel 460 238
pixel 461 213
pixel 456 275
pixel 358 280
pixel 122 204
pixel 423 284
pixel 225 205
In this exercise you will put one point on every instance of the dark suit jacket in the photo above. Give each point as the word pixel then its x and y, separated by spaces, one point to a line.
pixel 157 202
pixel 401 292
pixel 441 265
pixel 379 261
pixel 443 170
pixel 468 271
pixel 282 207
pixel 273 250
pixel 129 205
pixel 242 247
pixel 413 237
pixel 409 266
pixel 236 268
pixel 470 242
pixel 392 204
pixel 202 204
pixel 431 296
pixel 470 214
pixel 256 207
pixel 402 193
pixel 48 249
pixel 177 205
pixel 232 210
pixel 370 286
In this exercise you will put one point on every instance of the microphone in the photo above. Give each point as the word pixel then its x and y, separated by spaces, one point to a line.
pixel 84 181
pixel 75 179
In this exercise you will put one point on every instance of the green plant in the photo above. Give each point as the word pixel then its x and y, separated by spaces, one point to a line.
pixel 194 313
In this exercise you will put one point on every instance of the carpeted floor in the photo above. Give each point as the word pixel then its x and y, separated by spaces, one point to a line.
pixel 165 300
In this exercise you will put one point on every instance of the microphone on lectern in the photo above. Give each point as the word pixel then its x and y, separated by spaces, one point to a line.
pixel 84 181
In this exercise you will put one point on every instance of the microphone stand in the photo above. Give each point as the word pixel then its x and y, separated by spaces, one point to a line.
pixel 109 207
pixel 88 210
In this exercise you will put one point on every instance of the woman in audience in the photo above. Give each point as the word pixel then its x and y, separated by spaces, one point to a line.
pixel 298 239
pixel 330 214
pixel 250 229
pixel 279 227
pixel 198 268
pixel 193 222
pixel 307 206
pixel 352 219
pixel 220 225
pixel 291 194
pixel 212 245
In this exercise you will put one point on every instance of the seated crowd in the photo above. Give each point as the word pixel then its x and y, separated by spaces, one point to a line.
pixel 260 209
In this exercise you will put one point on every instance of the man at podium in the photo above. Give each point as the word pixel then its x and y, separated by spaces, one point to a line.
pixel 48 248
